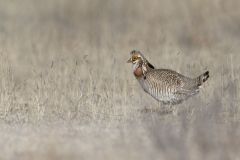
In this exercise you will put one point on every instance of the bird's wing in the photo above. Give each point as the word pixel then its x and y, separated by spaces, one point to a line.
pixel 165 79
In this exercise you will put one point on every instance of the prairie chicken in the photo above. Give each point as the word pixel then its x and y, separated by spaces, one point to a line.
pixel 166 86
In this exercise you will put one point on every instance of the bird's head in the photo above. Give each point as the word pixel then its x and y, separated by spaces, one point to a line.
pixel 136 57
pixel 139 61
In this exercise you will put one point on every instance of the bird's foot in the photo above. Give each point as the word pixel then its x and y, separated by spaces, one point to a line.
pixel 156 110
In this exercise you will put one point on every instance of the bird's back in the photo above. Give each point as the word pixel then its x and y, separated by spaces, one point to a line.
pixel 168 86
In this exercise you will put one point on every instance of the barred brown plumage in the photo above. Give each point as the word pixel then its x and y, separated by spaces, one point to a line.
pixel 165 85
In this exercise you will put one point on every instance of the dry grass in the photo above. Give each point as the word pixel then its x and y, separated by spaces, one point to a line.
pixel 67 93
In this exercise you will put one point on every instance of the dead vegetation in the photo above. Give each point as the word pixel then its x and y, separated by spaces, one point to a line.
pixel 67 93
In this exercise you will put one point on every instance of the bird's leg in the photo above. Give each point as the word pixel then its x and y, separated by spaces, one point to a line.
pixel 145 110
pixel 174 110
pixel 159 105
pixel 163 108
pixel 152 109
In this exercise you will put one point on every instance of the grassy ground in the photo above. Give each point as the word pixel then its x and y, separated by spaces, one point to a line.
pixel 66 91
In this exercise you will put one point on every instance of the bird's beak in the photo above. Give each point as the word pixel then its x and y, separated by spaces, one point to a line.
pixel 130 60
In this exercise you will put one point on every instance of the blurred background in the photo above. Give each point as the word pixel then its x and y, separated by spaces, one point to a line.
pixel 66 91
pixel 37 31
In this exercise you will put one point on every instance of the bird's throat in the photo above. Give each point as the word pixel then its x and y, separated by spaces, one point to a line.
pixel 138 72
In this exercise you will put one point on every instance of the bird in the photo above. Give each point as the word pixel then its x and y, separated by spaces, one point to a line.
pixel 165 85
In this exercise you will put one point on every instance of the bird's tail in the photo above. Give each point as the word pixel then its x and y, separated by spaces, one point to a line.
pixel 202 78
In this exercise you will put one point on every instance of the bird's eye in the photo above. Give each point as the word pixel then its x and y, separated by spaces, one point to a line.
pixel 134 58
